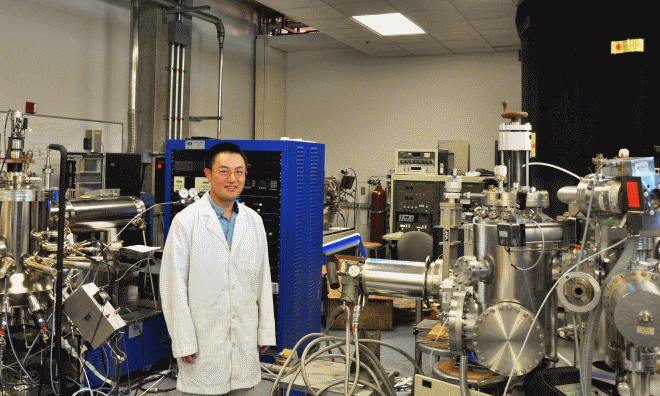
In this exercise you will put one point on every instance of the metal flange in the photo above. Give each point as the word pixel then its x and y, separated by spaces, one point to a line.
pixel 578 291
pixel 498 337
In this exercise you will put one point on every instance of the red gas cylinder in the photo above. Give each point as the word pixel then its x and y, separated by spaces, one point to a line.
pixel 378 215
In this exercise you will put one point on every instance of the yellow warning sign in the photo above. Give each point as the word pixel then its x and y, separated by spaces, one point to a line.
pixel 622 169
pixel 630 45
pixel 646 330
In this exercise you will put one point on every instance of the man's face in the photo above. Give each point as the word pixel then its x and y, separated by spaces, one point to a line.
pixel 227 177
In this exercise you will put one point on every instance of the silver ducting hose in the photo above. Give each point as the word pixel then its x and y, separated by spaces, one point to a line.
pixel 594 319
pixel 463 376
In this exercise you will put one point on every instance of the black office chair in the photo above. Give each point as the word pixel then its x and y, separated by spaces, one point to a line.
pixel 415 246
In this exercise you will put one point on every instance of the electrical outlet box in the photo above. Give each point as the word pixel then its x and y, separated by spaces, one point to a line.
pixel 363 190
pixel 511 235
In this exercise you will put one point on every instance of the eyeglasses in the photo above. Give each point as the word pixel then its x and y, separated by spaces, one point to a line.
pixel 225 173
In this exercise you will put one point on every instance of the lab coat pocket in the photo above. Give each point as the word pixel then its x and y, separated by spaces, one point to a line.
pixel 249 321
pixel 210 297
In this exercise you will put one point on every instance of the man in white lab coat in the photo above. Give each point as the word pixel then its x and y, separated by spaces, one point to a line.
pixel 215 285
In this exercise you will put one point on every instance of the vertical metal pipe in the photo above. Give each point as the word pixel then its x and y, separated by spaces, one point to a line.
pixel 551 314
pixel 176 89
pixel 640 383
pixel 221 40
pixel 518 164
pixel 60 263
pixel 132 91
pixel 183 79
pixel 509 171
pixel 169 112
pixel 527 168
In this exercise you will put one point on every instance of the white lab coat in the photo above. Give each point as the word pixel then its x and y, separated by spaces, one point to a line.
pixel 217 302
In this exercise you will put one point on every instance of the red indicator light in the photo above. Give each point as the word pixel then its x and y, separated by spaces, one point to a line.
pixel 633 194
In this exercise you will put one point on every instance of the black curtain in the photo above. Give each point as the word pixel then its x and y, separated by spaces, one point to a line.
pixel 583 100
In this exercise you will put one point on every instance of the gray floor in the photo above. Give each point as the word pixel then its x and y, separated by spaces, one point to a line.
pixel 400 336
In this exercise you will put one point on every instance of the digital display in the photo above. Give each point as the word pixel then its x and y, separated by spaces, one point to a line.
pixel 408 218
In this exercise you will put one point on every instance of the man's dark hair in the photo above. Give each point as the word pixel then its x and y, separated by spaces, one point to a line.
pixel 224 147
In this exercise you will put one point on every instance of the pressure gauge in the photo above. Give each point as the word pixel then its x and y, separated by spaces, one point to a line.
pixel 192 193
pixel 354 271
pixel 183 193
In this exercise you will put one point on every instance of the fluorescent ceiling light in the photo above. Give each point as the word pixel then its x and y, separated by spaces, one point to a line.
pixel 389 24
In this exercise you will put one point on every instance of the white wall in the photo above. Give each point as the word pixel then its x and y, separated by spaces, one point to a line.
pixel 238 70
pixel 270 91
pixel 364 108
pixel 71 57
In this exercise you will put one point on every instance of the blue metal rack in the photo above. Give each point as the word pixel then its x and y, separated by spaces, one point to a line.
pixel 297 257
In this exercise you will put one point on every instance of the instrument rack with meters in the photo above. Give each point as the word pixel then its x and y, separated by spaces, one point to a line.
pixel 415 200
pixel 415 162
pixel 284 184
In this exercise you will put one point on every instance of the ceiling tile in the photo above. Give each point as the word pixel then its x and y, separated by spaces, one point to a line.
pixel 435 17
pixel 468 46
pixel 304 42
pixel 494 23
pixel 365 8
pixel 455 31
pixel 334 23
pixel 412 38
pixel 439 50
pixel 422 46
pixel 375 47
pixel 283 4
pixel 508 49
pixel 332 2
pixel 419 5
pixel 501 37
pixel 481 3
pixel 388 54
pixel 456 36
pixel 475 10
pixel 351 33
pixel 312 13
pixel 367 42
pixel 465 26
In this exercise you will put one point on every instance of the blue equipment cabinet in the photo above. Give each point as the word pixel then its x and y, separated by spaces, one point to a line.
pixel 284 184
